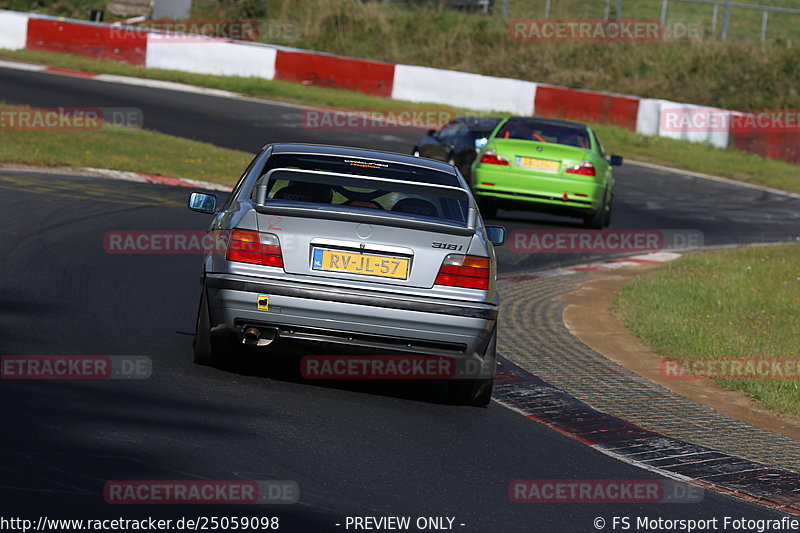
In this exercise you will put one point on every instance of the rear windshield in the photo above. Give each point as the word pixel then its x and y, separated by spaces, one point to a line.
pixel 361 166
pixel 364 195
pixel 533 130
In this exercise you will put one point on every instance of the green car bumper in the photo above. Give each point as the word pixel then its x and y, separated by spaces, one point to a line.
pixel 580 196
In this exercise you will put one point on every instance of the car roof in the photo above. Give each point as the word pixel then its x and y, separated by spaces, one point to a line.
pixel 364 153
pixel 479 119
pixel 552 121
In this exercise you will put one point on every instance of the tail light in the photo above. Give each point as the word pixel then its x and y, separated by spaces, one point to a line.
pixel 490 157
pixel 246 246
pixel 586 168
pixel 469 271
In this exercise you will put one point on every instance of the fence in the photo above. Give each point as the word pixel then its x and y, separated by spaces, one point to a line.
pixel 721 19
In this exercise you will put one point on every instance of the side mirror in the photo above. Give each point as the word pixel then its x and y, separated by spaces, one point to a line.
pixel 203 203
pixel 496 234
pixel 431 133
pixel 615 160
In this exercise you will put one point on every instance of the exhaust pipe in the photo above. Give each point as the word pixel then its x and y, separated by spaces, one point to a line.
pixel 258 337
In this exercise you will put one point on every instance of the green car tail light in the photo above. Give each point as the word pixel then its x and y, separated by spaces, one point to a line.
pixel 585 168
pixel 490 157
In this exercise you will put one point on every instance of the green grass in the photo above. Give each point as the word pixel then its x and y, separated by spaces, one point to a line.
pixel 123 149
pixel 740 303
pixel 688 156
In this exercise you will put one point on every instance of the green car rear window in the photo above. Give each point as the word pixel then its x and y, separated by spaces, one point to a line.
pixel 547 132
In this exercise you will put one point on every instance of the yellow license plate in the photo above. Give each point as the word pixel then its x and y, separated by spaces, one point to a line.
pixel 368 264
pixel 538 164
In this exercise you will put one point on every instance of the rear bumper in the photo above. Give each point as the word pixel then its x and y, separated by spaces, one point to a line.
pixel 553 193
pixel 360 318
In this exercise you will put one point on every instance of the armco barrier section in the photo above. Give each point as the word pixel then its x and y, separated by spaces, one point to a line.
pixel 99 41
pixel 214 56
pixel 560 102
pixel 680 121
pixel 462 89
pixel 363 75
pixel 783 145
pixel 13 30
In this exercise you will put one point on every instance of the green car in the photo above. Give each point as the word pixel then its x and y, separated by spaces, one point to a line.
pixel 545 165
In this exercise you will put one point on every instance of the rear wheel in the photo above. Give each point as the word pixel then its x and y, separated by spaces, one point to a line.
pixel 476 392
pixel 609 209
pixel 598 219
pixel 206 348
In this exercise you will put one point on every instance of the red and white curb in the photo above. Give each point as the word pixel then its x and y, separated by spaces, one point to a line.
pixel 610 264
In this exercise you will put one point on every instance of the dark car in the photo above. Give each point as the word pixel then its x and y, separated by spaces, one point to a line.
pixel 457 142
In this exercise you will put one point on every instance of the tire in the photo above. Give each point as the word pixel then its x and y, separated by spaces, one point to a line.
pixel 598 219
pixel 487 206
pixel 206 349
pixel 475 392
pixel 609 209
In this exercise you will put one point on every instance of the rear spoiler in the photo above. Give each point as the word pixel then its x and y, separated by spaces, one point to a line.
pixel 279 207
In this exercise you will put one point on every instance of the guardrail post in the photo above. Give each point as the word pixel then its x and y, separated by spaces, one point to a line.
pixel 663 12
pixel 547 9
pixel 714 19
pixel 764 16
pixel 619 9
pixel 726 20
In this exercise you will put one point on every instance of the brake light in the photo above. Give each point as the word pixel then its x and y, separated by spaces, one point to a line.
pixel 469 271
pixel 490 157
pixel 586 168
pixel 246 246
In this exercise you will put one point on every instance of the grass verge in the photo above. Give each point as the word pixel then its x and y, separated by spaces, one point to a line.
pixel 728 163
pixel 122 148
pixel 724 304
